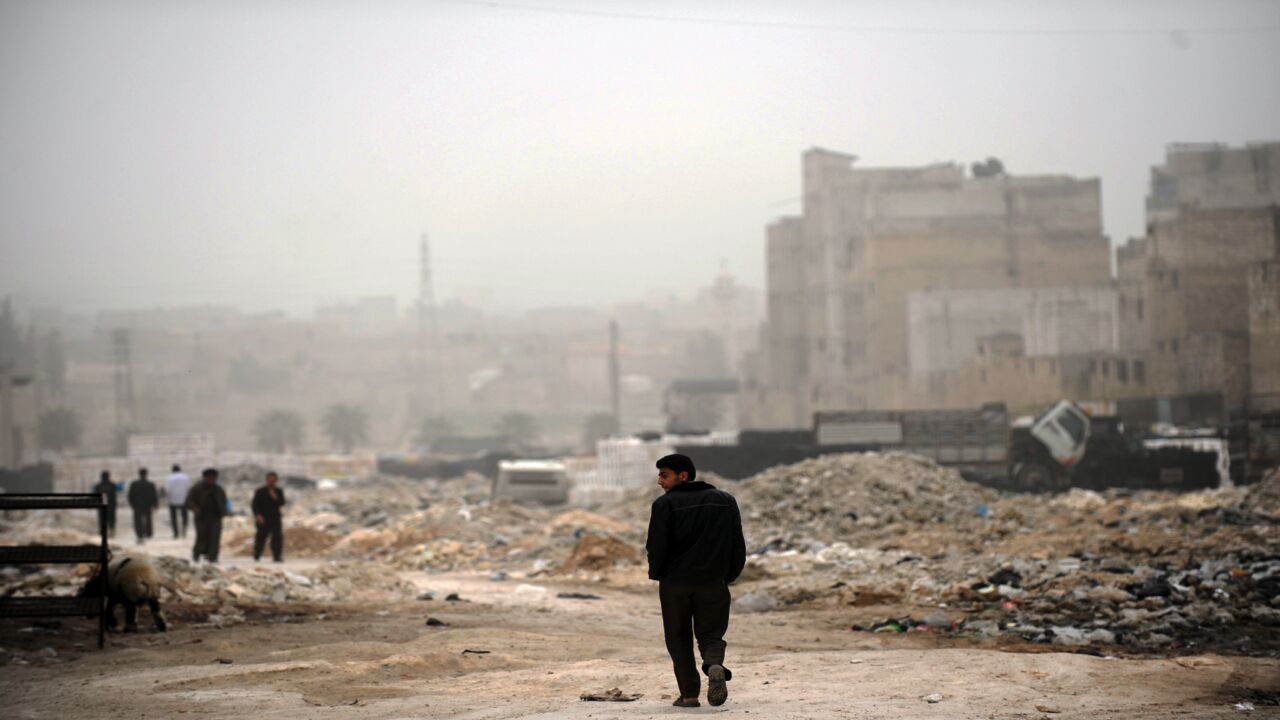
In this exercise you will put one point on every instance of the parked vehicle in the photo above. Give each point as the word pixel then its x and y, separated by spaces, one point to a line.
pixel 532 481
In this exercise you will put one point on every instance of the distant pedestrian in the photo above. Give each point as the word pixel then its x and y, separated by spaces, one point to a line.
pixel 695 549
pixel 176 487
pixel 143 500
pixel 208 504
pixel 108 488
pixel 267 502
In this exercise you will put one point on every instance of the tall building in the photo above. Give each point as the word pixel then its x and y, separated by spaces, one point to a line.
pixel 840 274
pixel 1198 284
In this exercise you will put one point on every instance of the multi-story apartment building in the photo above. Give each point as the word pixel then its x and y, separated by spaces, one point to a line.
pixel 840 275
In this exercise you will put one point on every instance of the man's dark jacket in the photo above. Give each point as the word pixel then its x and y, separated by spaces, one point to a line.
pixel 142 495
pixel 208 501
pixel 695 535
pixel 267 506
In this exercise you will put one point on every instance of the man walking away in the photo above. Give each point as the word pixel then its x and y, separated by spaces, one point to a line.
pixel 267 502
pixel 695 550
pixel 143 500
pixel 176 487
pixel 108 488
pixel 208 504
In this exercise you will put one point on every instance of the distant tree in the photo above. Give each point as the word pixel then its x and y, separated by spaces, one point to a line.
pixel 346 426
pixel 992 167
pixel 52 360
pixel 60 429
pixel 278 431
pixel 597 427
pixel 432 429
pixel 517 427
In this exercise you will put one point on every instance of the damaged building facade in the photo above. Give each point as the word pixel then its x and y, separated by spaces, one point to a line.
pixel 876 291
pixel 912 288
pixel 1200 290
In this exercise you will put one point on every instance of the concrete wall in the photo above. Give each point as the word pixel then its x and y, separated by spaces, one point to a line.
pixel 944 326
pixel 1264 330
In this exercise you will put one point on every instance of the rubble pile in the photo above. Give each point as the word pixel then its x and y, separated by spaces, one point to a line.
pixel 230 588
pixel 854 496
pixel 892 542
pixel 1148 571
pixel 600 553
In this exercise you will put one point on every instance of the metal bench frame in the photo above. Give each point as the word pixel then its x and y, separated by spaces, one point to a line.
pixel 59 606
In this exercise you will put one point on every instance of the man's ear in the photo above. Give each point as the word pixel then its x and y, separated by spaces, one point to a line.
pixel 684 477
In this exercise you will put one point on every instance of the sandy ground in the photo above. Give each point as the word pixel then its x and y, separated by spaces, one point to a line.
pixel 543 652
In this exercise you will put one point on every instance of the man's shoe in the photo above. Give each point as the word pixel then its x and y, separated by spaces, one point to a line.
pixel 717 690
pixel 681 702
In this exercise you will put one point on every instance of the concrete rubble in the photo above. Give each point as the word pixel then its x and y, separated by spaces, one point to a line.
pixel 889 543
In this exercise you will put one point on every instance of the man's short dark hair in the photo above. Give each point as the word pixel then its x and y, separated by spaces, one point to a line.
pixel 142 472
pixel 209 473
pixel 677 464
pixel 177 468
pixel 272 473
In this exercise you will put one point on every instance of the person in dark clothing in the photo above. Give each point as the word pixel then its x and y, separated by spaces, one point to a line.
pixel 267 502
pixel 208 504
pixel 108 488
pixel 695 548
pixel 144 500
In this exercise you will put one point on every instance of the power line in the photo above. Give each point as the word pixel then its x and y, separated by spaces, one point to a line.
pixel 872 29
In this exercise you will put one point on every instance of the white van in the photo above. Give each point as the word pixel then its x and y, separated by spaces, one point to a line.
pixel 532 481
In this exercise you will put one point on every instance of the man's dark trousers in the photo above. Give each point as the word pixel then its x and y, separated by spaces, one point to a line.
pixel 176 511
pixel 692 611
pixel 208 538
pixel 142 523
pixel 274 529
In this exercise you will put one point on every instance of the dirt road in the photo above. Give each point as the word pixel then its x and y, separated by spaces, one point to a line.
pixel 541 652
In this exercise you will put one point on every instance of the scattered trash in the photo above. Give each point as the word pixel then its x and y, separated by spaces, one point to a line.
pixel 932 698
pixel 224 661
pixel 578 596
pixel 470 651
pixel 611 695
pixel 1244 706
pixel 1047 709
pixel 434 622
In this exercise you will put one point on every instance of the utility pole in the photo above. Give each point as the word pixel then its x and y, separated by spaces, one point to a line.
pixel 615 400
pixel 123 377
pixel 428 347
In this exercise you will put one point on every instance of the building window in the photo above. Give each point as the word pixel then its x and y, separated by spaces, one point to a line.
pixel 1139 309
pixel 1139 372
pixel 1174 345
pixel 1122 370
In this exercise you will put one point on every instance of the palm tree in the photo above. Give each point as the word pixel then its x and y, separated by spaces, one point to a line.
pixel 518 428
pixel 60 429
pixel 345 426
pixel 278 431
pixel 432 429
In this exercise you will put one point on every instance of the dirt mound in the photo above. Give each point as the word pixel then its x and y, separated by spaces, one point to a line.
pixel 598 553
pixel 299 541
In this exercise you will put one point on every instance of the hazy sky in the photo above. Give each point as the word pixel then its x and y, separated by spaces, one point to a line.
pixel 280 154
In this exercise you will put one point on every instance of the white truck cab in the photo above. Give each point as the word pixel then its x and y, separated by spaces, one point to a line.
pixel 1064 430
